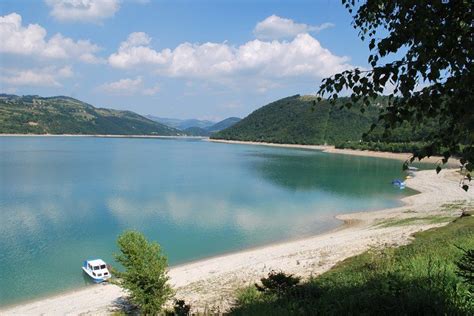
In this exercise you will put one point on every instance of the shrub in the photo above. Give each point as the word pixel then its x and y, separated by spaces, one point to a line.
pixel 465 267
pixel 278 283
pixel 145 272
pixel 180 308
pixel 247 295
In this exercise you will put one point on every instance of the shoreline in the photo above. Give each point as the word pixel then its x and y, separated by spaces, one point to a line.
pixel 453 162
pixel 77 291
pixel 211 282
pixel 101 136
pixel 342 225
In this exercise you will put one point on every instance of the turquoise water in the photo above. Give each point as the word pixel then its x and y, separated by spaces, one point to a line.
pixel 65 199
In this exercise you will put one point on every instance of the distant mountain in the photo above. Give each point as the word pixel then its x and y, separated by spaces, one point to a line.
pixel 303 120
pixel 181 124
pixel 195 123
pixel 166 121
pixel 196 131
pixel 208 131
pixel 33 114
pixel 195 127
pixel 219 126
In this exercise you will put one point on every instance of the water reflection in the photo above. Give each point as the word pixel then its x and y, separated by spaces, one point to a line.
pixel 212 213
pixel 309 170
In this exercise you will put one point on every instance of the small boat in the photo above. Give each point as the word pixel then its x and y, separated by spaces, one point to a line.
pixel 96 269
pixel 411 168
pixel 399 183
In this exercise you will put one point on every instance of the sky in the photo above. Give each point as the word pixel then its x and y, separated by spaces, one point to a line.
pixel 182 59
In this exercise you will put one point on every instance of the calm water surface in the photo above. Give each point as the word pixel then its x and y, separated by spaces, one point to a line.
pixel 65 199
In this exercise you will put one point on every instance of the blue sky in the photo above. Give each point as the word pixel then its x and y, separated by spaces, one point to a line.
pixel 183 59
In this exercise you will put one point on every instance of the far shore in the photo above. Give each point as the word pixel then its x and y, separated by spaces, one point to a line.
pixel 452 163
pixel 100 135
pixel 210 284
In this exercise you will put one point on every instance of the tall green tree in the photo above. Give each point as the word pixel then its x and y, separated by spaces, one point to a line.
pixel 145 275
pixel 466 268
pixel 423 52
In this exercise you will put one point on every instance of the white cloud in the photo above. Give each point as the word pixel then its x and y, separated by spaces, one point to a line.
pixel 303 56
pixel 82 10
pixel 136 39
pixel 135 51
pixel 264 85
pixel 151 90
pixel 275 27
pixel 266 63
pixel 39 77
pixel 31 41
pixel 129 86
pixel 123 86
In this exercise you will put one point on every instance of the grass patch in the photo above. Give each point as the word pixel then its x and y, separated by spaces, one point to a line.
pixel 457 206
pixel 416 220
pixel 415 279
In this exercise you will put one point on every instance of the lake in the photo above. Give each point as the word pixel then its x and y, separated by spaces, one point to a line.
pixel 66 199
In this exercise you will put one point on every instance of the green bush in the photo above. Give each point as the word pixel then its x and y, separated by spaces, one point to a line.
pixel 180 308
pixel 277 283
pixel 145 275
pixel 466 268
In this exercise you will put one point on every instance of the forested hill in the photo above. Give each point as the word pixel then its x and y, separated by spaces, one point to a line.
pixel 65 115
pixel 219 126
pixel 299 120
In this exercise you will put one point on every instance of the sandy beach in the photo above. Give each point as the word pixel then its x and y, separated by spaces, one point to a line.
pixel 210 284
pixel 453 162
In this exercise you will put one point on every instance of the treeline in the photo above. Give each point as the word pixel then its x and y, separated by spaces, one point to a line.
pixel 402 147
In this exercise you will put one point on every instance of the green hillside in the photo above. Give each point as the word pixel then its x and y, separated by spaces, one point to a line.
pixel 302 120
pixel 294 120
pixel 65 115
pixel 226 123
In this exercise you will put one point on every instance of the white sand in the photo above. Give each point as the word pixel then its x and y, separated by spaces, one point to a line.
pixel 210 284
